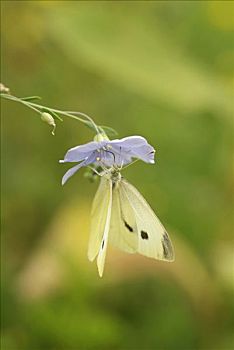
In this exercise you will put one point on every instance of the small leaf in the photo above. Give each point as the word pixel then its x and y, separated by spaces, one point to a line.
pixel 108 130
pixel 89 125
pixel 55 115
pixel 30 98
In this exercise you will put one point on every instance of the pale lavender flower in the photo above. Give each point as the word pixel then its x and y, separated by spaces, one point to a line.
pixel 107 153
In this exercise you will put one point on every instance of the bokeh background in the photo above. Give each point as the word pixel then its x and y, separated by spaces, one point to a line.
pixel 160 69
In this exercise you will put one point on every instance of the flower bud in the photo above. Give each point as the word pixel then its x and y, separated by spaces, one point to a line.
pixel 5 89
pixel 47 118
pixel 100 137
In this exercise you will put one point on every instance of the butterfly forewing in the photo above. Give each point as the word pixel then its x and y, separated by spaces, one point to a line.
pixel 153 239
pixel 123 229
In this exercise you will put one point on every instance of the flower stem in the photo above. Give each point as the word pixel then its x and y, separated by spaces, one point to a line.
pixel 88 121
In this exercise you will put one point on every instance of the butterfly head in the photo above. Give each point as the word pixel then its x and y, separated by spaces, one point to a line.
pixel 113 174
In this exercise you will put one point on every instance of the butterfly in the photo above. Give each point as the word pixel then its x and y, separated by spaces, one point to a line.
pixel 121 216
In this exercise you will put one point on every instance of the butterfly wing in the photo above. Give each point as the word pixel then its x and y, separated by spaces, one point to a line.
pixel 153 239
pixel 123 223
pixel 100 223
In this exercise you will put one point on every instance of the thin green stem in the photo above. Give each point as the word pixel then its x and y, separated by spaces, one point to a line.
pixel 39 109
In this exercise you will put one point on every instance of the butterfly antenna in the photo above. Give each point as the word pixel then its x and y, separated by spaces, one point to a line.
pixel 126 166
pixel 136 160
pixel 94 170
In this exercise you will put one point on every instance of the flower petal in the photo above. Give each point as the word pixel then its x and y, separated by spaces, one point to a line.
pixel 74 169
pixel 132 147
pixel 145 153
pixel 129 142
pixel 113 157
pixel 78 153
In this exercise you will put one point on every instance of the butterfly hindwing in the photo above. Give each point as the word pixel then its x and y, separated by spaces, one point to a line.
pixel 100 223
pixel 103 247
pixel 123 230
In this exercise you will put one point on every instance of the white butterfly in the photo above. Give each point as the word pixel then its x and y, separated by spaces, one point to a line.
pixel 121 216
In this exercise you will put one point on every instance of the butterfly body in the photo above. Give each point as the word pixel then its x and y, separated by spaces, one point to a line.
pixel 121 216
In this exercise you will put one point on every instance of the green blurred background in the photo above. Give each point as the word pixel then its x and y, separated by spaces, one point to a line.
pixel 163 70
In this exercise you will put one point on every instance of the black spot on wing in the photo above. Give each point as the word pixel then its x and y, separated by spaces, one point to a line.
pixel 144 235
pixel 167 247
pixel 128 226
pixel 103 243
pixel 165 250
pixel 113 185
